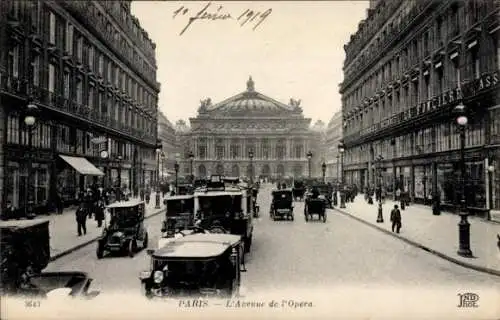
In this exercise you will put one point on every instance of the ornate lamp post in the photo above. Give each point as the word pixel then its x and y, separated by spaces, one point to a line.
pixel 380 217
pixel 158 155
pixel 250 155
pixel 309 157
pixel 162 155
pixel 464 226
pixel 191 159
pixel 30 121
pixel 323 168
pixel 341 170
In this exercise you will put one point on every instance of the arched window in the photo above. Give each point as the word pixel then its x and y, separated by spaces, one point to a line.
pixel 202 148
pixel 298 149
pixel 219 149
pixel 266 171
pixel 281 149
pixel 219 169
pixel 265 148
pixel 202 171
pixel 235 148
pixel 235 170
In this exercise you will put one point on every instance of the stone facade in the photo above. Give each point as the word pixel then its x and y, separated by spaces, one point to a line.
pixel 170 146
pixel 223 134
pixel 333 138
pixel 406 68
pixel 90 69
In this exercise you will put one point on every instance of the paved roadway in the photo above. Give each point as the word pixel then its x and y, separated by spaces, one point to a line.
pixel 297 254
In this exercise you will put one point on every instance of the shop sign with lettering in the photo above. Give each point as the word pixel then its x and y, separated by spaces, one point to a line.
pixel 484 82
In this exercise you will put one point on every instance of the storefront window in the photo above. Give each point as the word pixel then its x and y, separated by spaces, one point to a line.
pixel 448 178
pixel 66 184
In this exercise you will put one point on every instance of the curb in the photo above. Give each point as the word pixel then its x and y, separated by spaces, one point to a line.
pixel 425 248
pixel 81 245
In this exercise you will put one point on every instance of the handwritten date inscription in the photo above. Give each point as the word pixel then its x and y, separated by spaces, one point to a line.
pixel 208 13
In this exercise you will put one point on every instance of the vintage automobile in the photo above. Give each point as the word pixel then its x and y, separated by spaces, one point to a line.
pixel 298 190
pixel 198 266
pixel 282 204
pixel 199 183
pixel 179 216
pixel 315 206
pixel 184 189
pixel 326 193
pixel 224 208
pixel 126 230
pixel 25 253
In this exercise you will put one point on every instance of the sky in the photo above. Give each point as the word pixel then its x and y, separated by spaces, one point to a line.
pixel 295 51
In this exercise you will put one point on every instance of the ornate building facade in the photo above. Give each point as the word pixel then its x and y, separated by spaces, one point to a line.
pixel 90 69
pixel 332 140
pixel 408 65
pixel 170 147
pixel 223 135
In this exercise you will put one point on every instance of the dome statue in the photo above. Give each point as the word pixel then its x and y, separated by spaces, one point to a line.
pixel 250 84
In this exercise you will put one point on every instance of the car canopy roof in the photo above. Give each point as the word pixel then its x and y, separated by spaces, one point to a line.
pixel 125 204
pixel 200 249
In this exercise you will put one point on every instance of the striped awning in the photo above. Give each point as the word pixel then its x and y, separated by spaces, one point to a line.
pixel 82 165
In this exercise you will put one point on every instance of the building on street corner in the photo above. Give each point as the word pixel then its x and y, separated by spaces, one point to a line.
pixel 90 70
pixel 167 135
pixel 408 65
pixel 332 140
pixel 223 135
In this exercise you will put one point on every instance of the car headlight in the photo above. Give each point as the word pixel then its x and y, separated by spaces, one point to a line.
pixel 158 276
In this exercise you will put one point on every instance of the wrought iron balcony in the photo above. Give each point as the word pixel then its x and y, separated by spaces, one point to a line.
pixel 21 88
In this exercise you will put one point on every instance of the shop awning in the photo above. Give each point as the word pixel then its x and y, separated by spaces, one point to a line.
pixel 82 165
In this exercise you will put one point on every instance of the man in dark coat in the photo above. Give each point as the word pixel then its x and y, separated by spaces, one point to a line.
pixel 99 213
pixel 81 219
pixel 396 219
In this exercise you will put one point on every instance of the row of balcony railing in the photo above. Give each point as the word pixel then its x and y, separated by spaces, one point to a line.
pixel 81 8
pixel 22 88
pixel 387 41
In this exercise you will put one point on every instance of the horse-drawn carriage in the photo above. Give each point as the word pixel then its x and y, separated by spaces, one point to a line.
pixel 298 190
pixel 315 206
pixel 282 204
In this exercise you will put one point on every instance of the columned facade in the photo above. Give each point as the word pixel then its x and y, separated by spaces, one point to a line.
pixel 223 135
pixel 409 64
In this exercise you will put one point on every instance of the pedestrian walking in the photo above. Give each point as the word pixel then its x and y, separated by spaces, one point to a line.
pixel 81 220
pixel 99 213
pixel 396 219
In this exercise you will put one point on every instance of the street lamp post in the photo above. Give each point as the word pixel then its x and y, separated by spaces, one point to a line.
pixel 380 217
pixel 191 159
pixel 250 155
pixel 162 155
pixel 424 183
pixel 341 170
pixel 30 121
pixel 323 167
pixel 463 226
pixel 176 168
pixel 309 157
pixel 157 198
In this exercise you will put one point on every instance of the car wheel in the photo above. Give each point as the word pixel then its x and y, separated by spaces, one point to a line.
pixel 132 246
pixel 100 251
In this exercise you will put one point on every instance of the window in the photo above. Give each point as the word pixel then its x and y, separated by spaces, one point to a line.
pixel 13 129
pixel 13 61
pixel 91 97
pixel 35 16
pixel 79 48
pixel 440 80
pixel 91 57
pixel 439 31
pixel 52 28
pixel 35 70
pixel 475 63
pixel 69 39
pixel 101 65
pixel 52 78
pixel 66 79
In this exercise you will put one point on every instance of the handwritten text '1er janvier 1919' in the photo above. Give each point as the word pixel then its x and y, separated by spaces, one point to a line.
pixel 246 17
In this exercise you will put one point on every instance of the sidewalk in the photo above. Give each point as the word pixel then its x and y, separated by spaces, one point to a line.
pixel 64 238
pixel 436 234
